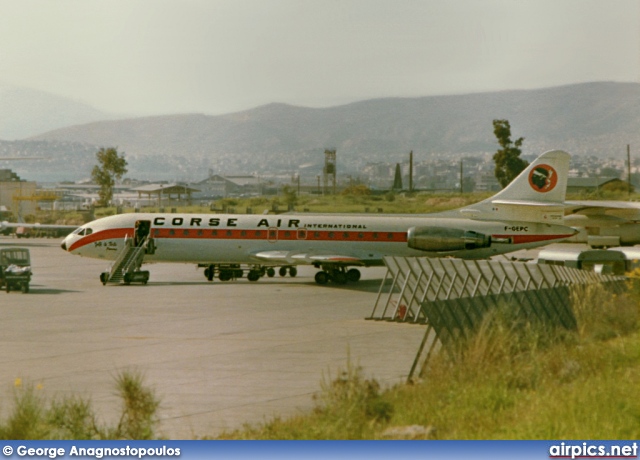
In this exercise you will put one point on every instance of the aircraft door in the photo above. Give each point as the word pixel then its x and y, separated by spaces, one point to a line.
pixel 141 232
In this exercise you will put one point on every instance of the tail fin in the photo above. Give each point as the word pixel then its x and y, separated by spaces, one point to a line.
pixel 536 195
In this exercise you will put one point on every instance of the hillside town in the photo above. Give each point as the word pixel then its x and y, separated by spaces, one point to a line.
pixel 20 196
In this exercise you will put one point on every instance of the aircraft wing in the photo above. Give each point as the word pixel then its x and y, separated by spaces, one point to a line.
pixel 37 226
pixel 625 210
pixel 312 257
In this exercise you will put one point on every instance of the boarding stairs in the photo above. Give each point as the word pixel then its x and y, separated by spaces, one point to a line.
pixel 127 264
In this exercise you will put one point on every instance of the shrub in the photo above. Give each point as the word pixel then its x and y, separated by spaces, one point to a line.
pixel 32 417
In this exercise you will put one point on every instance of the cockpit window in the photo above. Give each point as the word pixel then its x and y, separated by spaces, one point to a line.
pixel 82 231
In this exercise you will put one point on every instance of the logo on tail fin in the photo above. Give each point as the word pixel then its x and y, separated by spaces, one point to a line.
pixel 543 178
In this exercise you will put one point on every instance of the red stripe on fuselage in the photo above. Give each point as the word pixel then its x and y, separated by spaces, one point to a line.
pixel 257 235
pixel 282 235
pixel 524 239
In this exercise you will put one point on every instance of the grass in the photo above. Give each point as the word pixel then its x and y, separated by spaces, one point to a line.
pixel 389 203
pixel 35 417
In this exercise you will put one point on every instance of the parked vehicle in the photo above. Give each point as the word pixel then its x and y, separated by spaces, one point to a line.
pixel 15 269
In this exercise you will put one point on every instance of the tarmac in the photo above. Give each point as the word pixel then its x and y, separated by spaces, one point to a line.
pixel 218 354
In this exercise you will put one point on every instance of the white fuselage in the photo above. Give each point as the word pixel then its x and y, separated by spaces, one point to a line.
pixel 242 239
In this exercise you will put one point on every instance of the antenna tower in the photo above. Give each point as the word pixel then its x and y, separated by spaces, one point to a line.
pixel 329 170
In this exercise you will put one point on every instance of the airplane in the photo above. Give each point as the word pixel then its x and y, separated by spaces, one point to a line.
pixel 603 223
pixel 527 213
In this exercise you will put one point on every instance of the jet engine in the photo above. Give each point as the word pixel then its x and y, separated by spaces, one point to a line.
pixel 445 239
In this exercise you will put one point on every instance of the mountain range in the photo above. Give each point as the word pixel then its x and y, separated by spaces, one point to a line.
pixel 598 119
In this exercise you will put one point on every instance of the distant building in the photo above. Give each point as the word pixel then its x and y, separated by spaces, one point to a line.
pixel 216 186
pixel 165 192
pixel 17 195
pixel 486 182
pixel 589 184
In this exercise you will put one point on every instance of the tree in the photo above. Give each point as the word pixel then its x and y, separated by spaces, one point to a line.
pixel 397 180
pixel 508 161
pixel 290 196
pixel 111 166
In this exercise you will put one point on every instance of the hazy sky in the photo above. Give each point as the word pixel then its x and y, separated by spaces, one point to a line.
pixel 216 56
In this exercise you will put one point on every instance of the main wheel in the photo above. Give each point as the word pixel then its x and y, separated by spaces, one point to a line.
pixel 209 272
pixel 253 275
pixel 353 275
pixel 104 277
pixel 322 277
pixel 282 271
pixel 293 271
pixel 271 272
pixel 225 275
pixel 339 277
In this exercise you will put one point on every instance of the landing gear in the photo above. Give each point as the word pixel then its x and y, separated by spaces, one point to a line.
pixel 322 278
pixel 293 271
pixel 337 275
pixel 353 275
pixel 230 272
pixel 209 272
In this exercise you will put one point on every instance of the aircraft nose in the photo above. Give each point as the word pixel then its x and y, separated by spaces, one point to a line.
pixel 64 245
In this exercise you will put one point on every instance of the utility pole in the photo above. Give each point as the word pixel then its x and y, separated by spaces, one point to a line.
pixel 461 190
pixel 629 171
pixel 411 171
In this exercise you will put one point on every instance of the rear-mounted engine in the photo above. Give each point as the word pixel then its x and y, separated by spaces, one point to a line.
pixel 445 239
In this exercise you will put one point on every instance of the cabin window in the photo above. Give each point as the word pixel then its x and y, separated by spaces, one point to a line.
pixel 287 234
pixel 200 233
pixel 316 235
pixel 258 233
pixel 361 235
pixel 156 232
pixel 389 236
pixel 172 232
pixel 332 235
pixel 185 232
pixel 243 233
pixel 214 232
pixel 375 235
pixel 229 233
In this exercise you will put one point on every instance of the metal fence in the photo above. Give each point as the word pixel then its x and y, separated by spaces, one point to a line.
pixel 452 296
